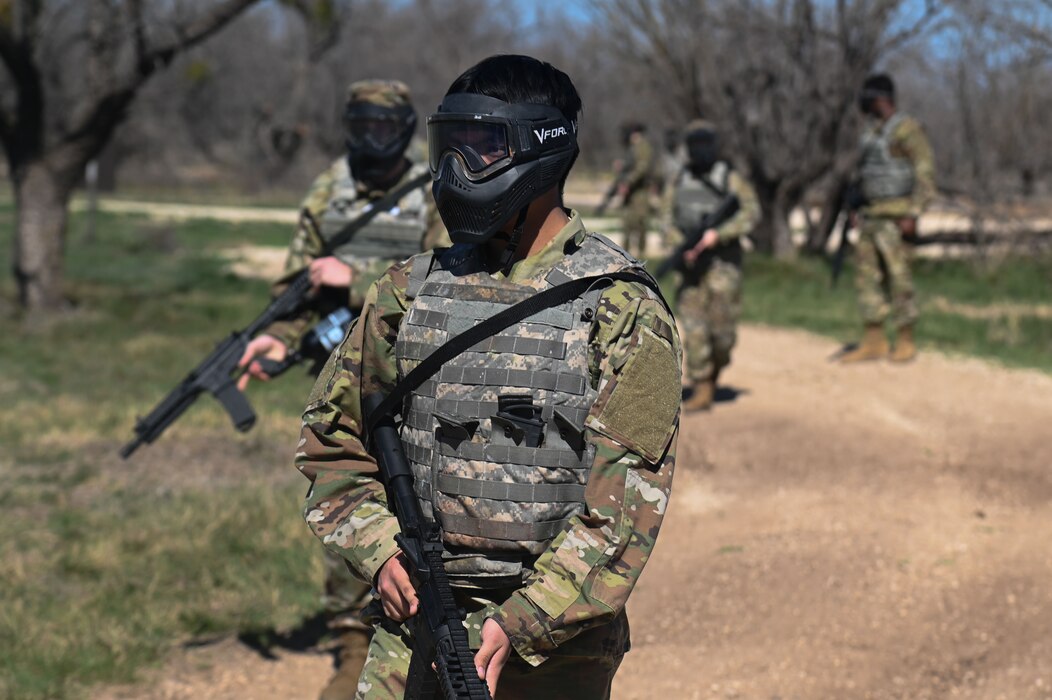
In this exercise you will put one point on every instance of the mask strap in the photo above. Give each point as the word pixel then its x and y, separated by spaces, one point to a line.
pixel 513 242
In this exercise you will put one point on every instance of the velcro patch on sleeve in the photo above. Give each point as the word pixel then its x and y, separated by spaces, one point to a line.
pixel 638 406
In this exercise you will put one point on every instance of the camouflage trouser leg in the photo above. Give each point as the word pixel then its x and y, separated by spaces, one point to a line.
pixel 709 305
pixel 634 221
pixel 883 278
pixel 581 669
pixel 345 595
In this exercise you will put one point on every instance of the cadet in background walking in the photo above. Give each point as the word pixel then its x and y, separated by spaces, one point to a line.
pixel 897 178
pixel 710 291
pixel 637 180
pixel 379 120
pixel 546 452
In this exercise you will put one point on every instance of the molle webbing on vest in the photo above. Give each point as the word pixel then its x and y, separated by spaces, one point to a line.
pixel 694 198
pixel 516 345
pixel 395 239
pixel 542 531
pixel 474 292
pixel 393 234
pixel 884 176
pixel 503 454
pixel 503 490
pixel 496 436
pixel 466 313
pixel 506 491
pixel 425 407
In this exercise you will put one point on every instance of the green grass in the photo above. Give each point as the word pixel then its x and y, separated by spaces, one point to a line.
pixel 104 564
pixel 797 293
pixel 149 301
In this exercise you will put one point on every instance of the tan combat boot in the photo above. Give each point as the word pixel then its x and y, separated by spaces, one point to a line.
pixel 701 396
pixel 874 346
pixel 354 646
pixel 905 349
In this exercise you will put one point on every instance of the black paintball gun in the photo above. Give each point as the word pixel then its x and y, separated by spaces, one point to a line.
pixel 216 374
pixel 728 207
pixel 851 202
pixel 611 192
pixel 438 632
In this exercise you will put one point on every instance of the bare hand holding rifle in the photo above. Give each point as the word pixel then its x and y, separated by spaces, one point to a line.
pixel 219 372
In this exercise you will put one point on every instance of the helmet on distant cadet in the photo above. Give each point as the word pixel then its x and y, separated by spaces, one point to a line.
pixel 504 134
pixel 379 121
pixel 703 146
pixel 873 87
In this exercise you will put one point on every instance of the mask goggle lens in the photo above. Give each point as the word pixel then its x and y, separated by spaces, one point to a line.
pixel 482 146
pixel 379 133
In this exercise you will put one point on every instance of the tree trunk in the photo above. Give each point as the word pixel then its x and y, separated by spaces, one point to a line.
pixel 773 235
pixel 42 200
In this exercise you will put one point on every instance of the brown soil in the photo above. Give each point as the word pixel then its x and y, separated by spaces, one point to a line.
pixel 835 532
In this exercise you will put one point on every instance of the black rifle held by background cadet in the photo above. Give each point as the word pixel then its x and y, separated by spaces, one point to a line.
pixel 439 636
pixel 611 192
pixel 851 202
pixel 714 219
pixel 216 373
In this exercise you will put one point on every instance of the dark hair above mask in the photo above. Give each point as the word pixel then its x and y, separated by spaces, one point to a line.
pixel 505 133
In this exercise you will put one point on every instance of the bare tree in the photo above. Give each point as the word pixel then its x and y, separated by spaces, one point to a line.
pixel 76 68
pixel 779 77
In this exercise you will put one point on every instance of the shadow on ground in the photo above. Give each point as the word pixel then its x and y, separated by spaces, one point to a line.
pixel 311 634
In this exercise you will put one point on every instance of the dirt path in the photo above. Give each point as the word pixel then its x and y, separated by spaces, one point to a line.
pixel 865 532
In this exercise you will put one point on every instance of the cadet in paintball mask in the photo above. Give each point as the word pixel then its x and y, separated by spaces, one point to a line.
pixel 544 453
pixel 897 177
pixel 710 291
pixel 379 121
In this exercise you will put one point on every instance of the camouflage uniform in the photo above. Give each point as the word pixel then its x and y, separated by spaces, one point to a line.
pixel 638 178
pixel 412 225
pixel 559 593
pixel 898 179
pixel 709 294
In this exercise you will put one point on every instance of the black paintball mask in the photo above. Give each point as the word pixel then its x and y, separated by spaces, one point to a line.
pixel 377 137
pixel 703 151
pixel 490 159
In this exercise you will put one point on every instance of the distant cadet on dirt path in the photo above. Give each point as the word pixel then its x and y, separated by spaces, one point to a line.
pixel 546 452
pixel 637 179
pixel 379 120
pixel 710 291
pixel 897 179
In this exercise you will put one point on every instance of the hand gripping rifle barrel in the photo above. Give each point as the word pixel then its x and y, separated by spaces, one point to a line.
pixel 438 631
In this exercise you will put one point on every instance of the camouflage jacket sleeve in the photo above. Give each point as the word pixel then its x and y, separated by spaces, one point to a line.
pixel 304 248
pixel 642 161
pixel 586 575
pixel 748 215
pixel 910 137
pixel 346 506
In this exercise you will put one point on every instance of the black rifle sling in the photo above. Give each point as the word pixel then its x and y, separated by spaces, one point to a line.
pixel 381 205
pixel 559 294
